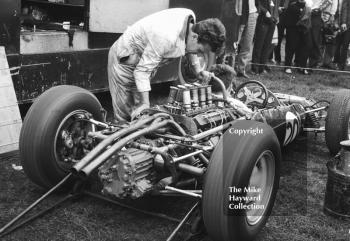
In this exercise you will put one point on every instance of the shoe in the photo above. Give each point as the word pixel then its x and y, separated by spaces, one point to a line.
pixel 253 72
pixel 305 72
pixel 267 69
pixel 329 66
pixel 271 61
pixel 288 71
pixel 243 74
pixel 264 71
pixel 316 66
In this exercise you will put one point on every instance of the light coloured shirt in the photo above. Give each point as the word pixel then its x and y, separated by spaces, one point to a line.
pixel 154 38
pixel 331 5
pixel 252 7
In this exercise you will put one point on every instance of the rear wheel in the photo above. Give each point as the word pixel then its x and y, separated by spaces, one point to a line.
pixel 338 121
pixel 242 167
pixel 54 133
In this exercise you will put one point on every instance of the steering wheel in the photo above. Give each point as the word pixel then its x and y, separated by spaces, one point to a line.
pixel 252 93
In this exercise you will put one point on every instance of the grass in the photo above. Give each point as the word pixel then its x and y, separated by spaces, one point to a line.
pixel 297 214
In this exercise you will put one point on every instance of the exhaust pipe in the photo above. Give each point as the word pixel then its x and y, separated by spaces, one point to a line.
pixel 106 142
pixel 87 169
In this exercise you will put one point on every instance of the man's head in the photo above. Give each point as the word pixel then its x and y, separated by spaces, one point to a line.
pixel 207 35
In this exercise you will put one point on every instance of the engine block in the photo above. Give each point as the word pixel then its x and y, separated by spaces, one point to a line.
pixel 130 173
pixel 192 106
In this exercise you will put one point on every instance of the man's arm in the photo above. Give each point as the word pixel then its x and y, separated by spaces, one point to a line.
pixel 148 63
pixel 203 75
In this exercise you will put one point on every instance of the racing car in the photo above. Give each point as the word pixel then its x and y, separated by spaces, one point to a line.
pixel 223 149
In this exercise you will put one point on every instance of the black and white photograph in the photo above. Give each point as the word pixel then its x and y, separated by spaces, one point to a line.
pixel 174 120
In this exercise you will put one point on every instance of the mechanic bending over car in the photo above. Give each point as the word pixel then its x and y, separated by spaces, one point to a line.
pixel 143 47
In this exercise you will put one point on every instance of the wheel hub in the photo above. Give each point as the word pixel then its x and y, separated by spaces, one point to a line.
pixel 260 185
pixel 71 141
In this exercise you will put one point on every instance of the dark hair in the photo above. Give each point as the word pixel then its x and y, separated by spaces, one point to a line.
pixel 212 32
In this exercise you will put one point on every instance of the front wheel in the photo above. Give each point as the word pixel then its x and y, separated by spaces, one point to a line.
pixel 241 182
pixel 54 133
pixel 338 121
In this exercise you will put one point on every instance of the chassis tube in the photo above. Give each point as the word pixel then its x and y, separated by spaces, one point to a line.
pixel 177 159
pixel 199 136
pixel 196 171
pixel 149 148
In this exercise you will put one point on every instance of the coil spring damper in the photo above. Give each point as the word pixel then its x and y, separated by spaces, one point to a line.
pixel 337 197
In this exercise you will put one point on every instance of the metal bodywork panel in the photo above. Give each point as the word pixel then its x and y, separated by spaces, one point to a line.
pixel 285 120
pixel 87 69
pixel 52 41
pixel 40 72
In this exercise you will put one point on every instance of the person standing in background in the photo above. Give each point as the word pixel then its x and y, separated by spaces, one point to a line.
pixel 320 9
pixel 339 38
pixel 266 23
pixel 232 12
pixel 298 39
pixel 333 39
pixel 281 27
pixel 344 27
pixel 246 35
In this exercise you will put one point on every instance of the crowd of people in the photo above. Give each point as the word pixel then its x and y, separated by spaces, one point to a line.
pixel 317 34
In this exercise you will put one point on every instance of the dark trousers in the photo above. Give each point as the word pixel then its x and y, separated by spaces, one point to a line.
pixel 277 51
pixel 332 51
pixel 297 45
pixel 338 43
pixel 344 49
pixel 316 39
pixel 262 45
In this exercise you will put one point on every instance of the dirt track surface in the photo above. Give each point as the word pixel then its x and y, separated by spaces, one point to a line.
pixel 297 214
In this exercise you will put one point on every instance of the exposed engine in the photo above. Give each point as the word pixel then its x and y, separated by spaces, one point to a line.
pixel 132 172
pixel 193 107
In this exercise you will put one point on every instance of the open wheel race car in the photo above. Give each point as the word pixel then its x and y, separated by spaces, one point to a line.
pixel 199 144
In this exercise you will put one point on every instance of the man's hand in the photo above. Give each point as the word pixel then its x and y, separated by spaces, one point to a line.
pixel 142 100
pixel 137 111
pixel 343 27
pixel 268 14
pixel 204 77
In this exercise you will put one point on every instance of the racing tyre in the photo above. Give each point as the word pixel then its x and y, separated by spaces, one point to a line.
pixel 337 121
pixel 248 167
pixel 53 132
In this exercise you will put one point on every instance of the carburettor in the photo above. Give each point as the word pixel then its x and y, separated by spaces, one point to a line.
pixel 193 105
pixel 189 98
